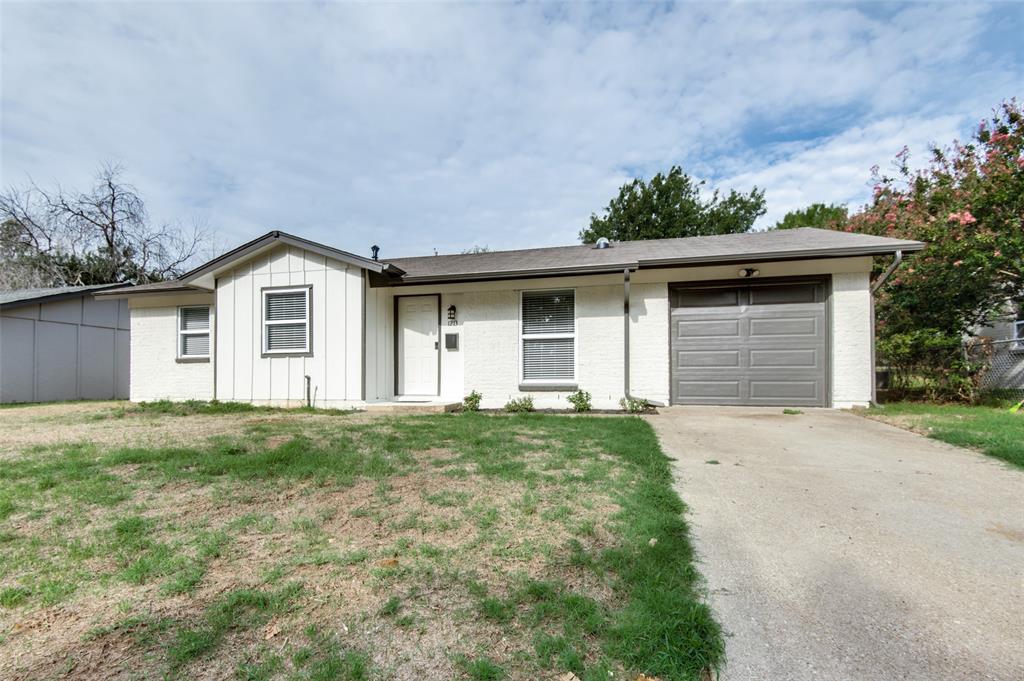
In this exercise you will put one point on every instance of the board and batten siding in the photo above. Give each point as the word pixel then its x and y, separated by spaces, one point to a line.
pixel 334 362
pixel 380 346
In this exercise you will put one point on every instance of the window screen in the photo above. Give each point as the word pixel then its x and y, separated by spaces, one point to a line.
pixel 549 335
pixel 194 331
pixel 286 320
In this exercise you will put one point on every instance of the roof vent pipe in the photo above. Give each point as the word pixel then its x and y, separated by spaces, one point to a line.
pixel 603 243
pixel 374 249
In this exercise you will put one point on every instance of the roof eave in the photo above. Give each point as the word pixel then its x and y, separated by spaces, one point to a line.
pixel 131 292
pixel 61 296
pixel 803 254
pixel 516 274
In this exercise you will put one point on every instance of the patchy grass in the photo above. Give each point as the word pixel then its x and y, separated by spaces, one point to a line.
pixel 994 431
pixel 454 545
pixel 211 408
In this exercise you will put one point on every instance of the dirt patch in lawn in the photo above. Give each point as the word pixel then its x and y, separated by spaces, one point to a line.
pixel 108 425
pixel 415 574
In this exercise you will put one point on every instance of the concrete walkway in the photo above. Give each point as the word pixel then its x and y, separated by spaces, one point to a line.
pixel 836 547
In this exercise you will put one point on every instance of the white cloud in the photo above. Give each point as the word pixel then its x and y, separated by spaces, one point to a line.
pixel 837 169
pixel 419 126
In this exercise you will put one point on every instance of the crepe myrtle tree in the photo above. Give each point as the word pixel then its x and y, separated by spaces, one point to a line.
pixel 967 204
pixel 56 237
pixel 671 205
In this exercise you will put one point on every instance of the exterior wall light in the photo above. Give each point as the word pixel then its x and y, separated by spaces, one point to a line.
pixel 451 316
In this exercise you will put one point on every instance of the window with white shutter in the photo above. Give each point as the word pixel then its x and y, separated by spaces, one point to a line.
pixel 194 331
pixel 548 336
pixel 286 320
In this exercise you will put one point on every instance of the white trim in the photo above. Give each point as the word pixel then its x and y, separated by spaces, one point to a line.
pixel 542 336
pixel 305 321
pixel 180 352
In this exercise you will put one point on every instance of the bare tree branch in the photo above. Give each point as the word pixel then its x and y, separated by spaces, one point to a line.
pixel 59 237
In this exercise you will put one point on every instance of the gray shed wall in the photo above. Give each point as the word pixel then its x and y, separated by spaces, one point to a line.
pixel 71 349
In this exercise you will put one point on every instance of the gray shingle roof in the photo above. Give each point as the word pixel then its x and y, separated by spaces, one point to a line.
pixel 790 244
pixel 26 296
pixel 173 285
pixel 749 247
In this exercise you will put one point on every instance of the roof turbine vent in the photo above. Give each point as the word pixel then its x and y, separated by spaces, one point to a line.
pixel 375 249
pixel 603 243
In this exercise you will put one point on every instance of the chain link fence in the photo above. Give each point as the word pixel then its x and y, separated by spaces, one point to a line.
pixel 1002 363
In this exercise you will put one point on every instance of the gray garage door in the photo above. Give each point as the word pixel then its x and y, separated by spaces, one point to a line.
pixel 757 344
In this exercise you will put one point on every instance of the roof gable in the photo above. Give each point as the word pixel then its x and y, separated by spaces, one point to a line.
pixel 205 275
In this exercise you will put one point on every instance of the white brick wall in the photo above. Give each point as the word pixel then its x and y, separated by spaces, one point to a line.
pixel 155 375
pixel 489 322
pixel 851 340
pixel 648 342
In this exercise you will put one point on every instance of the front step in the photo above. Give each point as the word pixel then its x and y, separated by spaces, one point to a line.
pixel 412 407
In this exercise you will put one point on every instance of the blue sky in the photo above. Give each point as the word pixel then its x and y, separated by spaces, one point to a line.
pixel 420 126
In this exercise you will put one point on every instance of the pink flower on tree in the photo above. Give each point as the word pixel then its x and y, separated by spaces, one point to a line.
pixel 964 218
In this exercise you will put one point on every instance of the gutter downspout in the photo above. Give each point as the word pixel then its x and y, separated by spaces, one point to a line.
pixel 874 289
pixel 888 272
pixel 625 331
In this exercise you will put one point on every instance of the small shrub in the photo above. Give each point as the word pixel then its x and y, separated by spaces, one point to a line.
pixel 523 404
pixel 634 405
pixel 791 412
pixel 580 400
pixel 471 402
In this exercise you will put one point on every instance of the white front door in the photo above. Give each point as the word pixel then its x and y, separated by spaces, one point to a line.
pixel 418 345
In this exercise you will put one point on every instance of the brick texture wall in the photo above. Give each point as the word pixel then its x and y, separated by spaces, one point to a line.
pixel 155 375
pixel 851 340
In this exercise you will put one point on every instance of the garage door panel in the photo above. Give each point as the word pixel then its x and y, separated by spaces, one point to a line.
pixel 709 358
pixel 778 390
pixel 787 326
pixel 807 358
pixel 784 294
pixel 773 354
pixel 707 328
pixel 710 389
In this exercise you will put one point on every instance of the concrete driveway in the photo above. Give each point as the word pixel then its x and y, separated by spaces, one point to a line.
pixel 836 547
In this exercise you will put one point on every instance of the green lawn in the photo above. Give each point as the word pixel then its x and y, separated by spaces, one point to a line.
pixel 301 545
pixel 994 431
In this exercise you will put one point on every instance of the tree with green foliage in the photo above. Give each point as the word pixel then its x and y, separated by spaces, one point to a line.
pixel 968 206
pixel 821 215
pixel 670 205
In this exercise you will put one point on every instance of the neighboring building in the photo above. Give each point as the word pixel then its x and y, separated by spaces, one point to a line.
pixel 62 344
pixel 1002 350
pixel 765 318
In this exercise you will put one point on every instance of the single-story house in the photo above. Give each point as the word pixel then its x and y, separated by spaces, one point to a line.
pixel 763 318
pixel 63 344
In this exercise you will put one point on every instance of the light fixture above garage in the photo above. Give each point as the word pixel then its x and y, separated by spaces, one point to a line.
pixel 748 272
